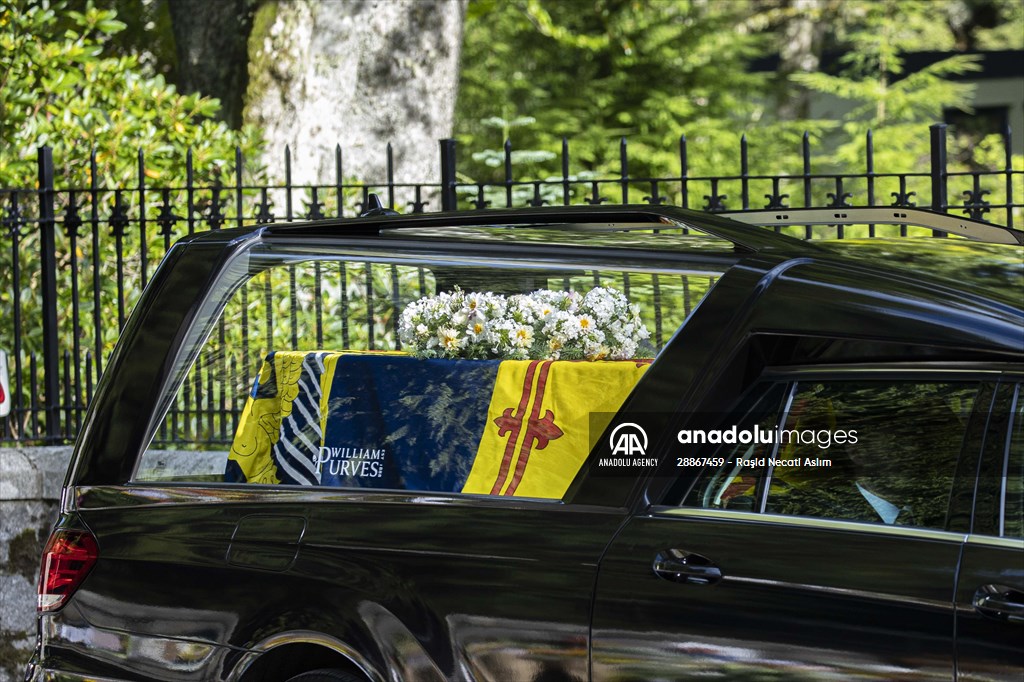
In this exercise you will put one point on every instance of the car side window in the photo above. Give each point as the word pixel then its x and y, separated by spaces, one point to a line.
pixel 1013 500
pixel 872 451
pixel 417 375
pixel 736 484
pixel 876 451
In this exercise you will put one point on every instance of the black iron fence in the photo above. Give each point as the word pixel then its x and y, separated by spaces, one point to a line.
pixel 73 260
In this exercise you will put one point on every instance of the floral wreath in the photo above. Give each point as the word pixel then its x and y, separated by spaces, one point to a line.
pixel 545 324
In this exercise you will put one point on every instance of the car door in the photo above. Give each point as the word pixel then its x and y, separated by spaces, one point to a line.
pixel 990 589
pixel 830 552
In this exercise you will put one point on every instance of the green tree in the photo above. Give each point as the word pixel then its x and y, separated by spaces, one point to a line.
pixel 596 70
pixel 877 36
pixel 894 104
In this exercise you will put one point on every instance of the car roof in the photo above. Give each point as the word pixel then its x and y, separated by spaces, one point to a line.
pixel 989 271
pixel 992 270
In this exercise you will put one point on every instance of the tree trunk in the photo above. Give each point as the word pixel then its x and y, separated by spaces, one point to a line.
pixel 359 74
pixel 211 44
pixel 799 51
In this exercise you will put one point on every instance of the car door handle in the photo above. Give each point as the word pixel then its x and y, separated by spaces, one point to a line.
pixel 686 567
pixel 1000 602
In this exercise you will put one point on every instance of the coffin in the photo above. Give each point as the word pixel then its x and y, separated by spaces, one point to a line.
pixel 393 421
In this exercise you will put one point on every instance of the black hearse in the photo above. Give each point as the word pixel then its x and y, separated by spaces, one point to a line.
pixel 530 445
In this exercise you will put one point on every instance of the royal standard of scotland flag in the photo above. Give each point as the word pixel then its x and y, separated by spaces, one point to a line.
pixel 537 432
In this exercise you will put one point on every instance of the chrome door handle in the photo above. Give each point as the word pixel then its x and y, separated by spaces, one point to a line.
pixel 678 566
pixel 1000 602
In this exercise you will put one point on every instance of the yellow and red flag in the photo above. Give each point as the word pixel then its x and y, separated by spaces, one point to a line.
pixel 537 432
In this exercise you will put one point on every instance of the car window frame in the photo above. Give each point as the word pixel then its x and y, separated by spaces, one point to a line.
pixel 988 526
pixel 1013 428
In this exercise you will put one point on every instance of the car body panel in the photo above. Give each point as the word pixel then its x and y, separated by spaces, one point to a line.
pixel 794 603
pixel 511 601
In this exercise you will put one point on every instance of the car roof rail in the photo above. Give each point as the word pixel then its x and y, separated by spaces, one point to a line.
pixel 625 216
pixel 940 222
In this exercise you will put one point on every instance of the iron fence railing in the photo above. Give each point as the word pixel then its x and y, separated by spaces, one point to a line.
pixel 73 260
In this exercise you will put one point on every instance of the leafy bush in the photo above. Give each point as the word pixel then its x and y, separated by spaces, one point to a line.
pixel 56 89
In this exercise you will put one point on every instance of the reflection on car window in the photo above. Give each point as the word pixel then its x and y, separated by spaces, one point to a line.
pixel 1013 509
pixel 880 452
pixel 349 373
pixel 736 485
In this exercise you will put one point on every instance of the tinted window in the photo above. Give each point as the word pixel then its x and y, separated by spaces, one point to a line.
pixel 736 485
pixel 880 452
pixel 871 451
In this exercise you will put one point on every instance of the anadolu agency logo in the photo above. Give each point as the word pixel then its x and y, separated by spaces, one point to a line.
pixel 628 440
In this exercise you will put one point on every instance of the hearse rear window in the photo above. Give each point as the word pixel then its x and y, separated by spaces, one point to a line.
pixel 395 374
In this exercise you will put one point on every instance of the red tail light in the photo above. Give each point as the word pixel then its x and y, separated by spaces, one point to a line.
pixel 67 558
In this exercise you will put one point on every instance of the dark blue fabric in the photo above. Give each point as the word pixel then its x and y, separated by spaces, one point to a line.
pixel 233 473
pixel 405 423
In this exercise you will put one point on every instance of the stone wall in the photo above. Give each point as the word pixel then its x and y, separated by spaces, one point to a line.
pixel 30 483
pixel 31 479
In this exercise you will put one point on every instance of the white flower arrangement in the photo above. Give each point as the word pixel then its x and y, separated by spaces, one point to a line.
pixel 546 324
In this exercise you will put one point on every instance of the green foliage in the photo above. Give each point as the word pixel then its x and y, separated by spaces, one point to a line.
pixel 895 105
pixel 148 34
pixel 598 70
pixel 873 75
pixel 57 89
pixel 495 157
pixel 1007 29
pixel 594 71
pixel 919 96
